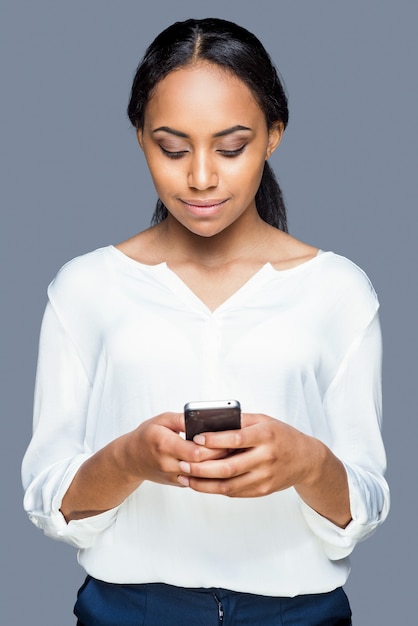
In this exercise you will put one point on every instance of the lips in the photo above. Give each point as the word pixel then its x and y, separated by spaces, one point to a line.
pixel 205 203
pixel 204 207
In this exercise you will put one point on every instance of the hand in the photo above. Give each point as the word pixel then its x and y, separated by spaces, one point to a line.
pixel 267 456
pixel 153 451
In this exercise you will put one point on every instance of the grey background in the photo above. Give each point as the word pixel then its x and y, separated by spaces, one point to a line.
pixel 72 179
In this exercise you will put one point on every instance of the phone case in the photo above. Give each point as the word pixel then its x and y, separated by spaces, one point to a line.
pixel 201 417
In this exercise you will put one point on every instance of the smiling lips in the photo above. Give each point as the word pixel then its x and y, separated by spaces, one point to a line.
pixel 204 207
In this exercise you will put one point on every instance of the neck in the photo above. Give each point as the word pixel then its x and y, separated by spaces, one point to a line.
pixel 237 241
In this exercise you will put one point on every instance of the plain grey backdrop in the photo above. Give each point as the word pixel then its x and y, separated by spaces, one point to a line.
pixel 73 179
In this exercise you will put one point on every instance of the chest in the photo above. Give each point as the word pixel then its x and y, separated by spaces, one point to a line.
pixel 214 286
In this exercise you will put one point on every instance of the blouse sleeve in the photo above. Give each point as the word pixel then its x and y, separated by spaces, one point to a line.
pixel 58 448
pixel 353 406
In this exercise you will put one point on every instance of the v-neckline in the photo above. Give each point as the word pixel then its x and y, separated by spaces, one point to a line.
pixel 180 286
pixel 176 284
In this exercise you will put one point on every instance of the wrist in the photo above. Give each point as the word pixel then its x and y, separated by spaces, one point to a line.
pixel 125 458
pixel 314 460
pixel 324 485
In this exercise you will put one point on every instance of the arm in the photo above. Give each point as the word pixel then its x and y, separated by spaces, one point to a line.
pixel 72 492
pixel 335 485
pixel 58 447
pixel 353 404
pixel 150 452
pixel 272 456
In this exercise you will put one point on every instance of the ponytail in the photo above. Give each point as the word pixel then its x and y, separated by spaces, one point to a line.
pixel 269 200
pixel 159 214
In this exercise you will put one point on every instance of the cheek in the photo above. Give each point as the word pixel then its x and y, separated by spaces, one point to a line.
pixel 163 174
pixel 243 169
pixel 248 175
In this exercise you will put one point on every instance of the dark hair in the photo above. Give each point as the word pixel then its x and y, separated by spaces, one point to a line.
pixel 235 49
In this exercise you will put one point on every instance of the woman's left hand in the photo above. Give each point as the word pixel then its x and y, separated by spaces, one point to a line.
pixel 267 455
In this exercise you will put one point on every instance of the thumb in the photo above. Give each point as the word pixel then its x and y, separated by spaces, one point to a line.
pixel 250 419
pixel 173 421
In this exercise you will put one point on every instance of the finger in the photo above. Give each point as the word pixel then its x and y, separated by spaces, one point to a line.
pixel 173 421
pixel 219 487
pixel 192 453
pixel 228 467
pixel 226 439
pixel 249 419
pixel 244 486
pixel 245 437
pixel 256 429
pixel 256 481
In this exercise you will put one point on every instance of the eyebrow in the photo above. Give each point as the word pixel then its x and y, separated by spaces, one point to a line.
pixel 221 133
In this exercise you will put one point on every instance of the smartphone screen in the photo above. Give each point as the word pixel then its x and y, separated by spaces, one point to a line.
pixel 213 415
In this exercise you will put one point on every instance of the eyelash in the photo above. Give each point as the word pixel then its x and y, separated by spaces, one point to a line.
pixel 226 153
pixel 172 155
pixel 233 153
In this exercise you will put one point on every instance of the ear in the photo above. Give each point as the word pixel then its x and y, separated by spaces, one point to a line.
pixel 140 137
pixel 275 137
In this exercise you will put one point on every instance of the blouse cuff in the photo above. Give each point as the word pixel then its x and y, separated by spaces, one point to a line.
pixel 80 533
pixel 369 505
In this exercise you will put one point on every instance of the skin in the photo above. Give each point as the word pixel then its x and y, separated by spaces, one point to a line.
pixel 205 140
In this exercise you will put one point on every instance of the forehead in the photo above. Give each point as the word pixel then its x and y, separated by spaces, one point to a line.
pixel 202 96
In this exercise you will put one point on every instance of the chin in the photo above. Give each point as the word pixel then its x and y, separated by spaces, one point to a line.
pixel 201 229
pixel 206 234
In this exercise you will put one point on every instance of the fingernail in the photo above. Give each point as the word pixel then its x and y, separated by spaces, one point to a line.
pixel 185 467
pixel 200 439
pixel 183 480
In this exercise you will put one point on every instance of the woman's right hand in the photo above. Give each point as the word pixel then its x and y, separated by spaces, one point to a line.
pixel 152 451
pixel 155 448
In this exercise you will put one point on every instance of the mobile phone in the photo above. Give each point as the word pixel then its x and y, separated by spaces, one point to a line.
pixel 213 415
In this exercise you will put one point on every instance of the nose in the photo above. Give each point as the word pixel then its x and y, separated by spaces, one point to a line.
pixel 202 173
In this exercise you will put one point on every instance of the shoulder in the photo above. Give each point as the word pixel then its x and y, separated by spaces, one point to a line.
pixel 343 275
pixel 84 274
pixel 82 266
pixel 326 267
pixel 344 295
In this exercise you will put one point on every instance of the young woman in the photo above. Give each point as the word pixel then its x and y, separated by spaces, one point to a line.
pixel 215 301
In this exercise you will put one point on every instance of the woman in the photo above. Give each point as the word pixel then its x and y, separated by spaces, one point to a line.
pixel 214 301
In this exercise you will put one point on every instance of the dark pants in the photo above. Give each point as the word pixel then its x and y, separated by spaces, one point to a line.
pixel 155 604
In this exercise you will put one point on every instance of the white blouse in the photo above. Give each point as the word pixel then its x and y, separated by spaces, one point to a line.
pixel 122 342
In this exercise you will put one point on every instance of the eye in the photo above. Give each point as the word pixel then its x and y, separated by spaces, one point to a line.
pixel 233 153
pixel 173 154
